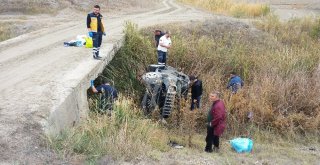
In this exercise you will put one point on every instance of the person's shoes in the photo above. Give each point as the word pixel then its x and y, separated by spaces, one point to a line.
pixel 208 150
pixel 97 57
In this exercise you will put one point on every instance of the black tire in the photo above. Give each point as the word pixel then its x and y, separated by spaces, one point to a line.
pixel 146 104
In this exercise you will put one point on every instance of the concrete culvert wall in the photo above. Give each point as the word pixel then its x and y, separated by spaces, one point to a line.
pixel 73 106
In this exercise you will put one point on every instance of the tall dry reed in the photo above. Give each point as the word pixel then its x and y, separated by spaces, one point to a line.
pixel 231 7
pixel 279 67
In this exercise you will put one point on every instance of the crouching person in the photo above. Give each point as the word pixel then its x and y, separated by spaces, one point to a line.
pixel 108 94
pixel 216 122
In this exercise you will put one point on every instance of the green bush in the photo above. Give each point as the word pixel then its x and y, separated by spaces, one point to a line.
pixel 132 59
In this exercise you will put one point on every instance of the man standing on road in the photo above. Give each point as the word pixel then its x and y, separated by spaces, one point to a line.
pixel 216 122
pixel 96 30
pixel 196 92
pixel 164 45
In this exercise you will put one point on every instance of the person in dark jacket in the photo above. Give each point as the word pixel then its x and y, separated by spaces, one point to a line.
pixel 109 93
pixel 216 122
pixel 95 30
pixel 157 35
pixel 235 83
pixel 196 92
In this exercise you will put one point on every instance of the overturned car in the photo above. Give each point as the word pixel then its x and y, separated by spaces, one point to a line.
pixel 164 86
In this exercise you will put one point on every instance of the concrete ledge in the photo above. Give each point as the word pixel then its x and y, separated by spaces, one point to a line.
pixel 72 105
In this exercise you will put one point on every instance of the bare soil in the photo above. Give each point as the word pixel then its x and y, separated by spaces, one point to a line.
pixel 33 67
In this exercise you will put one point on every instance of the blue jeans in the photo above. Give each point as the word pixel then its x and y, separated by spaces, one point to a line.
pixel 97 39
pixel 162 56
pixel 196 103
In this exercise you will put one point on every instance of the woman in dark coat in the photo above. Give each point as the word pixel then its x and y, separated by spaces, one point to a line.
pixel 216 122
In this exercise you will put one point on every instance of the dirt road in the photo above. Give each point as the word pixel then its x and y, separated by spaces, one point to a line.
pixel 35 70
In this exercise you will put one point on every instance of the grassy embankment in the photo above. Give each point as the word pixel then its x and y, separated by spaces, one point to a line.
pixel 279 64
pixel 231 7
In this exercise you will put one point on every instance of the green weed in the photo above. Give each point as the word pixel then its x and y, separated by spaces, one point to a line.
pixel 132 59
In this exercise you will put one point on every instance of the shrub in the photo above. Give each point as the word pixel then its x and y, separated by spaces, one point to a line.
pixel 279 70
pixel 132 59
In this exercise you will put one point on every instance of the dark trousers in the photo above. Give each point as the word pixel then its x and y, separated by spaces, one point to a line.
pixel 195 104
pixel 162 57
pixel 97 40
pixel 211 139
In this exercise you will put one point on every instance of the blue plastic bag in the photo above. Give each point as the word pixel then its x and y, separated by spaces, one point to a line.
pixel 242 144
pixel 79 43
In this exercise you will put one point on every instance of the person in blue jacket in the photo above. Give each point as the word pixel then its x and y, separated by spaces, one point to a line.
pixel 109 93
pixel 235 83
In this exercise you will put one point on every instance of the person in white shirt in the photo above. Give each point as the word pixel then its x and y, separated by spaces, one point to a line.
pixel 164 45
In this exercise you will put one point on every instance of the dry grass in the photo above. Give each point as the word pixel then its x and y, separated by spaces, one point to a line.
pixel 32 7
pixel 126 135
pixel 281 80
pixel 12 29
pixel 230 7
pixel 280 71
pixel 4 32
pixel 271 153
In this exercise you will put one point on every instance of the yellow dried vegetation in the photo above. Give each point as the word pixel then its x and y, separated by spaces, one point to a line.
pixel 229 7
pixel 5 32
